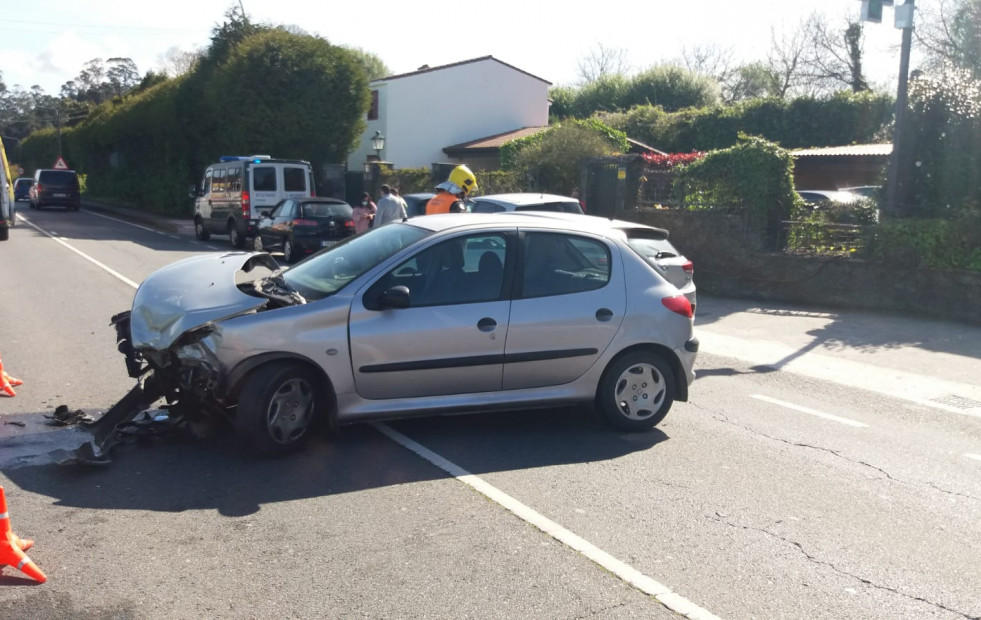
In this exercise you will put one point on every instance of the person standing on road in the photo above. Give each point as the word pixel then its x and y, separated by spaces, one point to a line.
pixel 389 208
pixel 398 196
pixel 364 214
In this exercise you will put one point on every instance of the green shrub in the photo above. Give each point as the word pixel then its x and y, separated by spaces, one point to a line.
pixel 938 243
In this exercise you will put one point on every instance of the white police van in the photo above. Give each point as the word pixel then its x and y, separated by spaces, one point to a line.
pixel 234 191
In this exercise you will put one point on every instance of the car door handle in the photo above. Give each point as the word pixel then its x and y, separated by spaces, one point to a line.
pixel 486 324
pixel 604 315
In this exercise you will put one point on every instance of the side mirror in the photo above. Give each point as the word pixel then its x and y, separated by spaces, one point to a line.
pixel 192 191
pixel 396 297
pixel 264 214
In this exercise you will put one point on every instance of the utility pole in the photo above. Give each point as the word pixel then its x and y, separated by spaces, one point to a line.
pixel 904 20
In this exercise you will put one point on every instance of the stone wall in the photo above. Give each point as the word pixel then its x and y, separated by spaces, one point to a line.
pixel 729 262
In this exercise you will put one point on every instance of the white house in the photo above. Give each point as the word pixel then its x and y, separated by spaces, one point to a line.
pixel 423 113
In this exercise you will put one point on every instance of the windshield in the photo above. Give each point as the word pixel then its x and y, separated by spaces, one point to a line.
pixel 327 272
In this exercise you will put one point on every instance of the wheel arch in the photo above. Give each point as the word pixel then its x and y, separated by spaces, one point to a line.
pixel 680 382
pixel 240 373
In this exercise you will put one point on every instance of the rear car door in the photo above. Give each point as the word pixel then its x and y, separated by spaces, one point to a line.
pixel 451 338
pixel 569 302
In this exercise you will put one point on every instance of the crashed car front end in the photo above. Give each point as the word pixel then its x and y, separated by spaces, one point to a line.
pixel 171 337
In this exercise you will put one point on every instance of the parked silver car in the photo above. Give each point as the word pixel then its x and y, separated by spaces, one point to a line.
pixel 435 315
pixel 524 201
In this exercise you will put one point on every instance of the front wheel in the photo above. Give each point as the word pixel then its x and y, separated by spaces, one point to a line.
pixel 636 391
pixel 278 407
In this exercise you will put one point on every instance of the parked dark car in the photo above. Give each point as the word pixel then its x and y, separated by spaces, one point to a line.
pixel 22 188
pixel 416 203
pixel 301 226
pixel 56 188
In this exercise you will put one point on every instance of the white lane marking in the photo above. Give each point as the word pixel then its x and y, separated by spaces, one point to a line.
pixel 808 410
pixel 115 219
pixel 976 457
pixel 107 268
pixel 645 584
pixel 890 382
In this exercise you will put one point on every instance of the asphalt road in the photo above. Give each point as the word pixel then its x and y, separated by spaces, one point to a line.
pixel 828 465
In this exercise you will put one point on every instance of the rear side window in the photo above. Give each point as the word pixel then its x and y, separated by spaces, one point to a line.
pixel 295 179
pixel 58 178
pixel 264 178
pixel 233 183
pixel 218 181
pixel 483 206
pixel 321 209
pixel 559 264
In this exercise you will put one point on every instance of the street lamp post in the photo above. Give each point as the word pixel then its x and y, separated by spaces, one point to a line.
pixel 378 143
pixel 905 21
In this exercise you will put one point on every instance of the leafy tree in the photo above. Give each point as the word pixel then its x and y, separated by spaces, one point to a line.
pixel 551 160
pixel 373 66
pixel 287 115
pixel 751 81
pixel 671 87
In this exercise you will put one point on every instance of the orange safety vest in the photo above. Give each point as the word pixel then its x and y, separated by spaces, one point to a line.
pixel 442 203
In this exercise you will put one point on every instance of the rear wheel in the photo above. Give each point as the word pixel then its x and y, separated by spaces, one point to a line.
pixel 289 250
pixel 636 391
pixel 4 233
pixel 200 231
pixel 237 239
pixel 277 407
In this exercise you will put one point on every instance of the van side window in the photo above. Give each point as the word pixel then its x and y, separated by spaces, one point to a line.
pixel 234 181
pixel 295 179
pixel 218 183
pixel 206 184
pixel 263 178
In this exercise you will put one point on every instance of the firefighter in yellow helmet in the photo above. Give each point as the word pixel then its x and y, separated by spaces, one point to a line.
pixel 451 194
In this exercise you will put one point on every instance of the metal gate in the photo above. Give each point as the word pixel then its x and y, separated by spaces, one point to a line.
pixel 610 184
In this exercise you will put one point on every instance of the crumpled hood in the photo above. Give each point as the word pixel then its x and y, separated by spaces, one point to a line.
pixel 190 293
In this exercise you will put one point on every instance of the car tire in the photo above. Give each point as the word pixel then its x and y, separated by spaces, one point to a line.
pixel 289 251
pixel 4 233
pixel 278 407
pixel 200 231
pixel 237 238
pixel 257 243
pixel 636 391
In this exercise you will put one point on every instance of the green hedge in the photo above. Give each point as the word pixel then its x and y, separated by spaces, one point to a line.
pixel 936 243
pixel 845 118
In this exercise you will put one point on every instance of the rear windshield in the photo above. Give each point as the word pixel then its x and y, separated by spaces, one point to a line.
pixel 325 209
pixel 58 178
pixel 651 245
pixel 264 178
pixel 295 179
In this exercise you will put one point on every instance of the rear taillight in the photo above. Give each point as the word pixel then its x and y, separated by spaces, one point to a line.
pixel 39 187
pixel 678 304
pixel 246 205
pixel 304 223
pixel 349 224
pixel 689 267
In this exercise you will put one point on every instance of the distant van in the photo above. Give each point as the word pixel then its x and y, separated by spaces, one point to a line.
pixel 236 190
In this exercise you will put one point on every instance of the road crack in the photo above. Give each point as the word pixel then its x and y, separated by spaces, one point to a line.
pixel 718 518
pixel 722 418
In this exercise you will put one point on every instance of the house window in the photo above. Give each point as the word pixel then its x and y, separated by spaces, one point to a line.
pixel 373 108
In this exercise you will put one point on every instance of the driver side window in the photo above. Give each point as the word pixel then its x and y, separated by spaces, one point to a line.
pixel 461 270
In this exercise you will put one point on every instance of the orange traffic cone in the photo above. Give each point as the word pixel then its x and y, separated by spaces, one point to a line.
pixel 7 382
pixel 12 548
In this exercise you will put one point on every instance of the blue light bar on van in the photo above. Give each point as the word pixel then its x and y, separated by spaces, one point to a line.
pixel 255 158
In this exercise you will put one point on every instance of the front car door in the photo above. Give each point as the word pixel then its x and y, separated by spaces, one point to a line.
pixel 451 338
pixel 568 305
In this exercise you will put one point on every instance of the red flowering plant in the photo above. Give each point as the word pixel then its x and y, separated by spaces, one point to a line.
pixel 668 161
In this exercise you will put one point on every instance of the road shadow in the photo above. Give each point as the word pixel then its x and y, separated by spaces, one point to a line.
pixel 835 329
pixel 174 476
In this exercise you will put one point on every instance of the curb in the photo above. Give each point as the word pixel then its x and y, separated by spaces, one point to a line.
pixel 160 222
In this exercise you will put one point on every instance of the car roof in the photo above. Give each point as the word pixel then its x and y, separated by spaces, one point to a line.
pixel 322 199
pixel 560 221
pixel 524 198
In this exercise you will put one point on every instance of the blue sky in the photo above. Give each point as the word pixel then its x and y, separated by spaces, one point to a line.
pixel 48 44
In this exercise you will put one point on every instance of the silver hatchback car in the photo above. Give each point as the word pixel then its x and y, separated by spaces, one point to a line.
pixel 444 314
